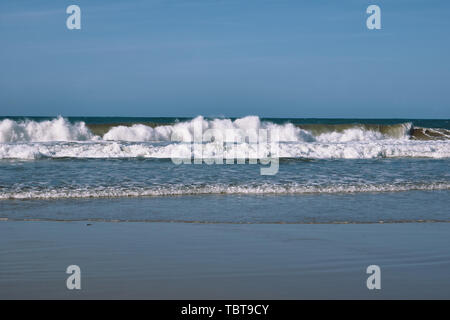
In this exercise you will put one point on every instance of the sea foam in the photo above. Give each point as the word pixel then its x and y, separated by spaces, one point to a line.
pixel 215 189
pixel 58 129
pixel 60 138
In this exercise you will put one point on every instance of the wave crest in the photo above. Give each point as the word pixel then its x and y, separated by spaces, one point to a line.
pixel 61 129
pixel 59 138
pixel 185 131
pixel 58 129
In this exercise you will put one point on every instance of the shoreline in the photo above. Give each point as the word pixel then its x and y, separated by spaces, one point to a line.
pixel 223 261
pixel 100 220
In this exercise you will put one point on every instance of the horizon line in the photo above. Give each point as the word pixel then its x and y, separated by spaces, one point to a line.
pixel 224 117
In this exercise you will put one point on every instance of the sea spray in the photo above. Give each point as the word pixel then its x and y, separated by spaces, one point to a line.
pixel 58 129
pixel 61 138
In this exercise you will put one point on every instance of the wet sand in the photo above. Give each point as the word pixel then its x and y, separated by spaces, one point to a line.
pixel 223 261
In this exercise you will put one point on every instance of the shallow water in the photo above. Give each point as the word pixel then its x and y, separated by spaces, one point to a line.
pixel 222 261
pixel 158 190
pixel 352 173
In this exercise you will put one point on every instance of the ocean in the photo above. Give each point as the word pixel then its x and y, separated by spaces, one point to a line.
pixel 122 169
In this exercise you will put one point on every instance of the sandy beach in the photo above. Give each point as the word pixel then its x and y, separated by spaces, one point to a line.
pixel 223 261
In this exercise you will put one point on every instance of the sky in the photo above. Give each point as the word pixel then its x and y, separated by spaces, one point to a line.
pixel 272 58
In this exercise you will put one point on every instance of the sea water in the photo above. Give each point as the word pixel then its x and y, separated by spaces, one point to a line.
pixel 122 169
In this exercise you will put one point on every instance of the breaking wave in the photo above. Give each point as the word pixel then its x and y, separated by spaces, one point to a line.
pixel 45 131
pixel 60 138
pixel 315 150
pixel 60 129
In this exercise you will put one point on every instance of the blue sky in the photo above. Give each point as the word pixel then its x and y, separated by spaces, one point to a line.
pixel 273 58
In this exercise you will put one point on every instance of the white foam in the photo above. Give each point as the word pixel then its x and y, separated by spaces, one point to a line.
pixel 59 138
pixel 348 135
pixel 58 129
pixel 315 150
pixel 186 131
pixel 214 189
